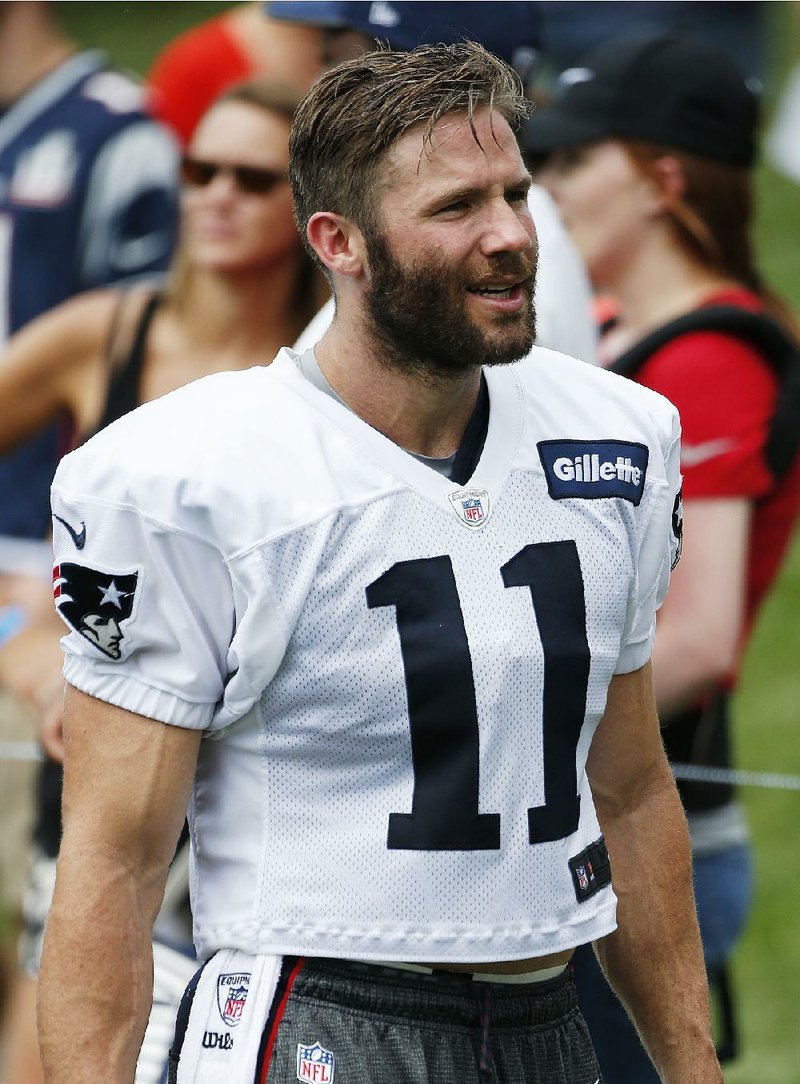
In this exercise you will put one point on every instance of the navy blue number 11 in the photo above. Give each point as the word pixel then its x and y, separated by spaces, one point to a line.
pixel 443 717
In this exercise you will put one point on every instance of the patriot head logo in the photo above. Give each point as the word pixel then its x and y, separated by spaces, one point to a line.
pixel 95 603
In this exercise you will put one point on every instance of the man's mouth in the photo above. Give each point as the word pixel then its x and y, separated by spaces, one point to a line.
pixel 493 291
pixel 511 294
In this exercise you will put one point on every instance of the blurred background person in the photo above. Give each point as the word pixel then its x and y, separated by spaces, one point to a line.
pixel 570 28
pixel 240 287
pixel 510 30
pixel 87 197
pixel 240 44
pixel 648 152
pixel 782 143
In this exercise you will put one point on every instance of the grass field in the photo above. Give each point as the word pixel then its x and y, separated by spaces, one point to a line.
pixel 767 707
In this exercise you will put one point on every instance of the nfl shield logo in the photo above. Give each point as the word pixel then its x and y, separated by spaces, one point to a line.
pixel 232 995
pixel 583 879
pixel 471 506
pixel 315 1063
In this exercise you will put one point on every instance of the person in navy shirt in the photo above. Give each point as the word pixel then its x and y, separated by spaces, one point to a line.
pixel 87 198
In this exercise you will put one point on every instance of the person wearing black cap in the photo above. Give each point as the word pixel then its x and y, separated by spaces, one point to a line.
pixel 648 151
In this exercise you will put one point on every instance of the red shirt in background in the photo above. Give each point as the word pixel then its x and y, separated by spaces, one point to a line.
pixel 725 393
pixel 192 71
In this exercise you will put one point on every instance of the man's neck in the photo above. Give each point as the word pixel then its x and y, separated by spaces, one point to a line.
pixel 427 417
pixel 31 47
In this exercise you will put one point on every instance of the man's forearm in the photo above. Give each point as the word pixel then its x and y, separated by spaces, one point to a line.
pixel 654 959
pixel 96 982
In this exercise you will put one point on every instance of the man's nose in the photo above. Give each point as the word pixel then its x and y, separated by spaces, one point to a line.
pixel 508 229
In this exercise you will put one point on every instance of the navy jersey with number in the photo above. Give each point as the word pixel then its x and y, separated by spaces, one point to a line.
pixel 87 198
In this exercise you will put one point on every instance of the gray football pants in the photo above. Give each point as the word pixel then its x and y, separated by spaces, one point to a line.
pixel 339 1022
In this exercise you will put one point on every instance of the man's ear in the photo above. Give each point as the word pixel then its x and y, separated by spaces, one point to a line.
pixel 338 243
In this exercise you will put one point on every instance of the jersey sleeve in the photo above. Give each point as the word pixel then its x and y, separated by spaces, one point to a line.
pixel 659 547
pixel 725 393
pixel 129 224
pixel 151 612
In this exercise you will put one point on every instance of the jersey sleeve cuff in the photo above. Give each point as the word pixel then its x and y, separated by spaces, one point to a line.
pixel 126 692
pixel 634 656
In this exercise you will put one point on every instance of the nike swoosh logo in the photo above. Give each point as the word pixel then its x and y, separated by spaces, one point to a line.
pixel 694 454
pixel 78 537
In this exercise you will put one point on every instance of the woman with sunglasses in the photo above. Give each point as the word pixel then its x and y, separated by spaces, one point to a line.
pixel 648 154
pixel 240 287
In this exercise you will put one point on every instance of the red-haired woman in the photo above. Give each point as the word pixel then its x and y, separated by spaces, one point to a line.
pixel 648 153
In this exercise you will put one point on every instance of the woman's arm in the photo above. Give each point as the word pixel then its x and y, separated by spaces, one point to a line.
pixel 56 364
pixel 700 625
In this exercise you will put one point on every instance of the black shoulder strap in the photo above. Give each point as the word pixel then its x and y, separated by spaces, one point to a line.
pixel 766 335
pixel 126 365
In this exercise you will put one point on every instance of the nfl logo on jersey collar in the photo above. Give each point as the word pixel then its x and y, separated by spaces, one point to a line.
pixel 471 506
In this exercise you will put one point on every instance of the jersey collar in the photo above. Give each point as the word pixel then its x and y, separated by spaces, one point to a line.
pixel 503 433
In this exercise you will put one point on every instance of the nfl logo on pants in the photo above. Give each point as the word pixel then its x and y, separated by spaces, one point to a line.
pixel 315 1063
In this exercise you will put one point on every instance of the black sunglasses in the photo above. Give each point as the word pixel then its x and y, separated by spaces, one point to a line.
pixel 197 174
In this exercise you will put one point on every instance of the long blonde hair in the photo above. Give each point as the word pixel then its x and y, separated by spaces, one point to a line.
pixel 281 99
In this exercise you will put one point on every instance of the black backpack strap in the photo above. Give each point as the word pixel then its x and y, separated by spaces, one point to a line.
pixel 763 333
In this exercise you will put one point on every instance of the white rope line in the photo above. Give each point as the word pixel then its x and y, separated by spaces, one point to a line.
pixel 31 751
pixel 735 776
pixel 20 750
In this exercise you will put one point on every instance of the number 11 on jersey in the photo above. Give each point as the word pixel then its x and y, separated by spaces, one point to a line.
pixel 443 715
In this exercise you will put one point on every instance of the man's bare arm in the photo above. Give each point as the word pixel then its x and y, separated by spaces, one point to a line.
pixel 126 788
pixel 654 959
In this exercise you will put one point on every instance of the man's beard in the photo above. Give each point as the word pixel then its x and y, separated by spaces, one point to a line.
pixel 419 314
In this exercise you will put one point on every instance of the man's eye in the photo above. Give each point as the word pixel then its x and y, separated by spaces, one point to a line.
pixel 457 205
pixel 517 195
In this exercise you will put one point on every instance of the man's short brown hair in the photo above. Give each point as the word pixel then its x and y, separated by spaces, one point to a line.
pixel 358 110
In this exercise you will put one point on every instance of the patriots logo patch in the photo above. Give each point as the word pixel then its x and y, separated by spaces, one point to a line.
pixel 95 604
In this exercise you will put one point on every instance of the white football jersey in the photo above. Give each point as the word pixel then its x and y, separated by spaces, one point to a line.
pixel 398 677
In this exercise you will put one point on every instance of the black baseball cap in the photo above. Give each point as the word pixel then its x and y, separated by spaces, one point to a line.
pixel 672 90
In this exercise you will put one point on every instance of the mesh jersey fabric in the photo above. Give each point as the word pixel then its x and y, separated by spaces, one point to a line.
pixel 270 577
